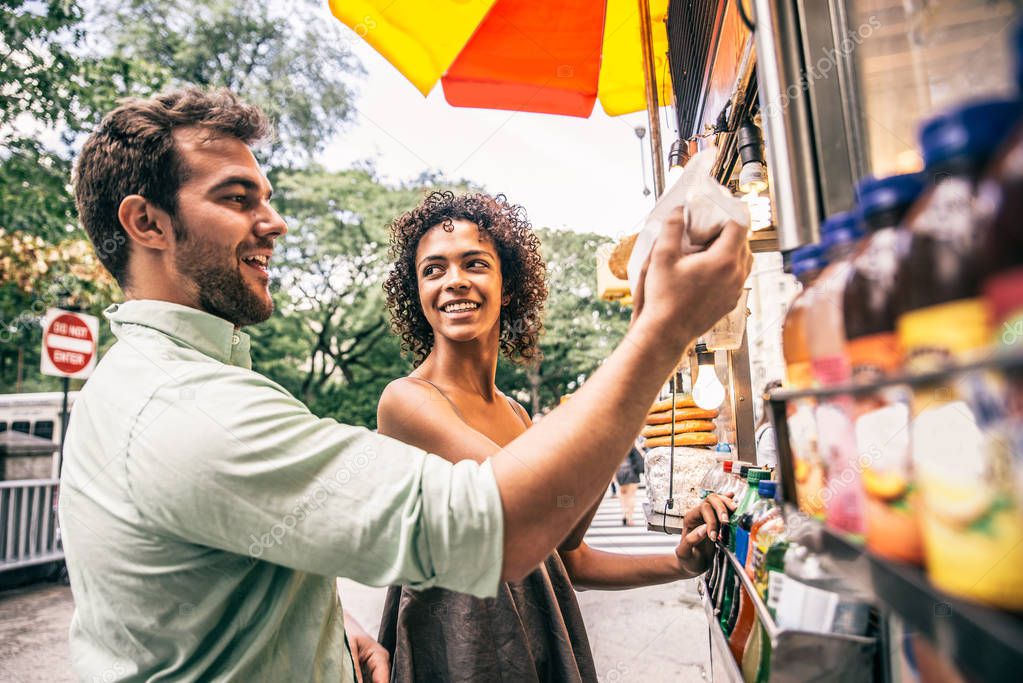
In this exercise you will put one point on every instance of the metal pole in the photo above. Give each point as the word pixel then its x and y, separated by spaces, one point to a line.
pixel 63 423
pixel 650 78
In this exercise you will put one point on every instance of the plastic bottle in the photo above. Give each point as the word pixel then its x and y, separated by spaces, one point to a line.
pixel 806 265
pixel 743 626
pixel 769 544
pixel 971 532
pixel 764 509
pixel 714 476
pixel 882 417
pixel 738 536
pixel 843 494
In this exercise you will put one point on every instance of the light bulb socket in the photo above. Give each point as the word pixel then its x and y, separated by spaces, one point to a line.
pixel 679 154
pixel 750 143
pixel 703 355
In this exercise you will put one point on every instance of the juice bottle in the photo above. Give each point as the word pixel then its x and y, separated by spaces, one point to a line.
pixel 765 509
pixel 744 624
pixel 737 537
pixel 806 265
pixel 971 528
pixel 843 493
pixel 769 547
pixel 756 659
pixel 882 417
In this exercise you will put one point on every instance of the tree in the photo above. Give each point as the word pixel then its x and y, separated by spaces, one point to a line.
pixel 580 331
pixel 292 64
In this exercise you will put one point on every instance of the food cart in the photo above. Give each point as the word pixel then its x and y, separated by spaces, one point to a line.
pixel 839 90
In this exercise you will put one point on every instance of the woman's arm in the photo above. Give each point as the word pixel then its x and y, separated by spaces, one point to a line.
pixel 591 568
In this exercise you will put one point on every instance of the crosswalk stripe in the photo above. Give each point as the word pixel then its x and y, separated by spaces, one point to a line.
pixel 606 531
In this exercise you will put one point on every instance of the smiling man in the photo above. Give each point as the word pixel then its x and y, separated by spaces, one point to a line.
pixel 206 512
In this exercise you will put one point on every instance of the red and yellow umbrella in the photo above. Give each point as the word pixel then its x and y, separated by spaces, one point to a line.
pixel 522 55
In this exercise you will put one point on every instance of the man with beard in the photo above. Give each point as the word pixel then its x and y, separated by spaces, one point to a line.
pixel 206 512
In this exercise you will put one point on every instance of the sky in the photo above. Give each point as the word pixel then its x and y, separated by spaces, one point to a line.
pixel 580 174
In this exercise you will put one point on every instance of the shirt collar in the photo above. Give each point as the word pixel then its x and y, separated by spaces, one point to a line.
pixel 204 332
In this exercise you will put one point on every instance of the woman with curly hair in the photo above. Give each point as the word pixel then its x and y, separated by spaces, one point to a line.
pixel 467 284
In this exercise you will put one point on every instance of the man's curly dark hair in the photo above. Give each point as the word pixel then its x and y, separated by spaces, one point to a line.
pixel 523 271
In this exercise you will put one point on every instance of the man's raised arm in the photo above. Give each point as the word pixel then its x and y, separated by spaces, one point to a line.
pixel 550 475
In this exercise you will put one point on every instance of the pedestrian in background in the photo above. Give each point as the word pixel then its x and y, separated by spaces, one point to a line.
pixel 628 481
pixel 765 438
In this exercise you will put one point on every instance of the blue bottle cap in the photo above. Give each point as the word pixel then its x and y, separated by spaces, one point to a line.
pixel 972 131
pixel 767 489
pixel 806 259
pixel 877 195
pixel 840 228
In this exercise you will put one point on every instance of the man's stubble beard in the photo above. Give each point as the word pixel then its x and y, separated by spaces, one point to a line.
pixel 222 289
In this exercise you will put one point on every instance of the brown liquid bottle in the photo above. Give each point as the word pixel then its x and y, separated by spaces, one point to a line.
pixel 938 277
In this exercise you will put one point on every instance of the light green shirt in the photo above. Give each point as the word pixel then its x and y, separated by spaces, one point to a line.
pixel 205 513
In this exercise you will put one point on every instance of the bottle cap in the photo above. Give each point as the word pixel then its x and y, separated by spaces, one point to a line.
pixel 895 192
pixel 806 259
pixel 767 489
pixel 727 464
pixel 754 476
pixel 972 131
pixel 743 470
pixel 840 228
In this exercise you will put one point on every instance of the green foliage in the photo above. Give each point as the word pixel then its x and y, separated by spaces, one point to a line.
pixel 580 331
pixel 329 342
pixel 294 65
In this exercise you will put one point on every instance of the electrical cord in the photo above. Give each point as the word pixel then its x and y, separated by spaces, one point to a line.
pixel 745 17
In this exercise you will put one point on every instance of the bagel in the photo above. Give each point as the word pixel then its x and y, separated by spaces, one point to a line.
pixel 681 427
pixel 681 414
pixel 680 402
pixel 688 439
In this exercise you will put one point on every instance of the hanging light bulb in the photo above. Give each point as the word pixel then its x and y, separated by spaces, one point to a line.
pixel 708 392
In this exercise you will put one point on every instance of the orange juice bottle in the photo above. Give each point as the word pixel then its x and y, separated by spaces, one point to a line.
pixel 807 263
pixel 882 417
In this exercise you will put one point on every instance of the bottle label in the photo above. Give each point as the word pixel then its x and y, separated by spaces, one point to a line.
pixel 831 370
pixel 874 357
pixel 933 337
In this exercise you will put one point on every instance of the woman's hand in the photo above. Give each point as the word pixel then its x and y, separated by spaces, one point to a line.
pixel 372 661
pixel 700 531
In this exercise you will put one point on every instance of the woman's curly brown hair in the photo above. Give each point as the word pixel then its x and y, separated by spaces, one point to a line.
pixel 523 271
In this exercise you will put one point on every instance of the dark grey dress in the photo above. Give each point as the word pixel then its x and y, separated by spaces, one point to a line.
pixel 532 631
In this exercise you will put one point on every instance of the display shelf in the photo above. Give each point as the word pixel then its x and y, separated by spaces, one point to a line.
pixel 722 664
pixel 987 643
pixel 997 361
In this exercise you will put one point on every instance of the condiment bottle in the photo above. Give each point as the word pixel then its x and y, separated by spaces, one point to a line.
pixel 843 493
pixel 807 263
pixel 882 417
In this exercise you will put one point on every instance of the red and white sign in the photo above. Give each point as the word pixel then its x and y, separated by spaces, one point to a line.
pixel 69 344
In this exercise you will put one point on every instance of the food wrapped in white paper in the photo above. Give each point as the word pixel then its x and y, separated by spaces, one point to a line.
pixel 708 204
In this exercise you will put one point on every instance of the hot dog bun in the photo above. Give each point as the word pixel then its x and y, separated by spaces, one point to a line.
pixel 681 414
pixel 681 427
pixel 680 402
pixel 689 439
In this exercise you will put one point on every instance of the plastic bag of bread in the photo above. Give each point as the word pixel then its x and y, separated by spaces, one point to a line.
pixel 690 466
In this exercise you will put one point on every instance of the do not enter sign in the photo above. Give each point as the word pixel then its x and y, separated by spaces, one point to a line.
pixel 69 344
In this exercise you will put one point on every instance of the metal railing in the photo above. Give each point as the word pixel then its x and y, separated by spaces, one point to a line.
pixel 29 533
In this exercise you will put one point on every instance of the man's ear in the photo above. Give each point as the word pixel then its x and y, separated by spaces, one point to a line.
pixel 146 224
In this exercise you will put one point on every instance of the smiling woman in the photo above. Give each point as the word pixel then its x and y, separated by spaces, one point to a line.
pixel 497 240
